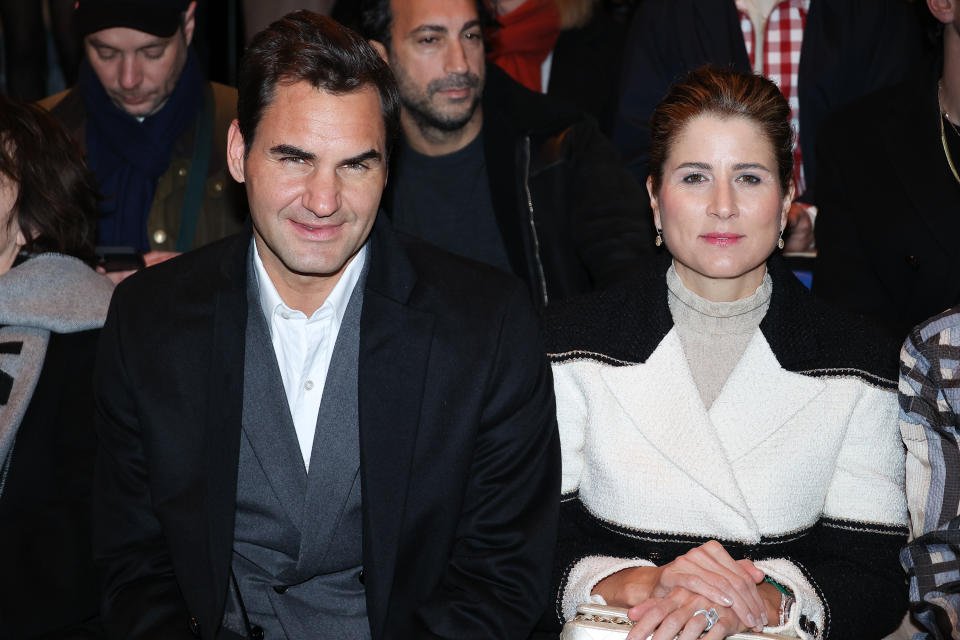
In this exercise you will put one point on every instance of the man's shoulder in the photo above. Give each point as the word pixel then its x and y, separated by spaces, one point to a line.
pixel 937 334
pixel 225 97
pixel 510 103
pixel 192 277
pixel 52 101
pixel 67 107
pixel 902 103
pixel 453 280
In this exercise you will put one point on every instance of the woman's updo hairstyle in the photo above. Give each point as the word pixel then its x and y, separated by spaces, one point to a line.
pixel 725 93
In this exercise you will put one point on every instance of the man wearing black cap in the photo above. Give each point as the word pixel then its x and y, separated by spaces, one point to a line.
pixel 153 129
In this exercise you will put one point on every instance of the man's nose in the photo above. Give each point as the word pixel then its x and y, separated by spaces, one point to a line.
pixel 456 58
pixel 321 195
pixel 131 73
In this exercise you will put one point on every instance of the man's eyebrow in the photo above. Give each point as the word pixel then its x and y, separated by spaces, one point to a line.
pixel 100 45
pixel 372 154
pixel 431 28
pixel 470 25
pixel 290 150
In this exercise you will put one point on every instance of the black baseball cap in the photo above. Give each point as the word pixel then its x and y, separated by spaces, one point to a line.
pixel 156 17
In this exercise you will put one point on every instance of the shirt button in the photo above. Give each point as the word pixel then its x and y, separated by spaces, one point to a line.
pixel 159 236
pixel 284 315
pixel 308 385
pixel 218 186
pixel 181 172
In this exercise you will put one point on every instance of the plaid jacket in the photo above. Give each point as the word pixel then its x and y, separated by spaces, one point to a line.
pixel 929 402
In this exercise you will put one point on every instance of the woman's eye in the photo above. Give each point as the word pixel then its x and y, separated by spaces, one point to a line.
pixel 750 179
pixel 694 178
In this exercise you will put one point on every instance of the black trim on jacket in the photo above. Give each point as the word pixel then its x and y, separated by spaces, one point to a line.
pixel 625 323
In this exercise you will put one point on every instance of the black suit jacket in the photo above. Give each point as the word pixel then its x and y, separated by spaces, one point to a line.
pixel 459 453
pixel 850 48
pixel 889 209
pixel 49 586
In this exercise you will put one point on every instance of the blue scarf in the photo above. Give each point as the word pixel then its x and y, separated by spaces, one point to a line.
pixel 128 156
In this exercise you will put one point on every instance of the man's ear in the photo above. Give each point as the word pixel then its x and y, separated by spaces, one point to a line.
pixel 189 21
pixel 236 151
pixel 382 50
pixel 942 10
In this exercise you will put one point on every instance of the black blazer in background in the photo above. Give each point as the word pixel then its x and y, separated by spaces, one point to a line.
pixel 458 446
pixel 48 586
pixel 850 48
pixel 889 209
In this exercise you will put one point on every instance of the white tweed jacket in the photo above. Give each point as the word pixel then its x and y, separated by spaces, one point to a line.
pixel 785 455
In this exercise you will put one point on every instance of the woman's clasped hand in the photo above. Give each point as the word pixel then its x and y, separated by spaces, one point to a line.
pixel 682 598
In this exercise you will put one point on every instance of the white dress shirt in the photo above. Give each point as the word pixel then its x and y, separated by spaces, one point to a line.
pixel 304 346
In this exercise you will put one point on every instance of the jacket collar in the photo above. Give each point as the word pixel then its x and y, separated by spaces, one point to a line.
pixel 394 347
pixel 707 443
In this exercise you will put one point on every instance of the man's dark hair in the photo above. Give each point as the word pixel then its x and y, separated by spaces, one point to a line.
pixel 56 204
pixel 376 19
pixel 304 46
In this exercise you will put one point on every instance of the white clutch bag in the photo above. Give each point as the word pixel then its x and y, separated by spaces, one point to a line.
pixel 598 622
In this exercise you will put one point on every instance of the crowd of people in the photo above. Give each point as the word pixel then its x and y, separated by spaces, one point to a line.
pixel 455 317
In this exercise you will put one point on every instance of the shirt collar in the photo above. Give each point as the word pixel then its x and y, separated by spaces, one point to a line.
pixel 337 301
pixel 744 6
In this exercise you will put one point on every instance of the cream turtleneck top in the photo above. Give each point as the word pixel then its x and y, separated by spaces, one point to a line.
pixel 714 334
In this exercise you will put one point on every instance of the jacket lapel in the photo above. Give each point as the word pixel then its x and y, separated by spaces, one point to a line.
pixel 758 398
pixel 395 341
pixel 692 444
pixel 224 390
pixel 505 164
pixel 267 423
pixel 335 461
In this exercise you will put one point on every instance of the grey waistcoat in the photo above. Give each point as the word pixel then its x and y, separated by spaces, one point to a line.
pixel 297 551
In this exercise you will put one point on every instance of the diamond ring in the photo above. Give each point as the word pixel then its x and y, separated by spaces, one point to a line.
pixel 711 616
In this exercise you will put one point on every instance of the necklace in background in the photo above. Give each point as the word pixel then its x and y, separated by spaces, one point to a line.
pixel 943 132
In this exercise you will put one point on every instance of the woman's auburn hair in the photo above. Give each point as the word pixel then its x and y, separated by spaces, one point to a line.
pixel 725 93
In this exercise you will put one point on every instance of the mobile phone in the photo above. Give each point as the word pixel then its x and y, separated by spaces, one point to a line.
pixel 119 259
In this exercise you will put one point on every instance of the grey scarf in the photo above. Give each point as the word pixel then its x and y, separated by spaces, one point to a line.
pixel 49 292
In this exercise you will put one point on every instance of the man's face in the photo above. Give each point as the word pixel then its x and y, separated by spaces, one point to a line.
pixel 314 177
pixel 138 70
pixel 436 53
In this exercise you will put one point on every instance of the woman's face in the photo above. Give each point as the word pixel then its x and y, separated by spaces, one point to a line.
pixel 720 205
pixel 11 238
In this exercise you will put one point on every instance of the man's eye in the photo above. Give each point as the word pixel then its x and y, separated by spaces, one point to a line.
pixel 291 160
pixel 154 52
pixel 356 167
pixel 694 178
pixel 106 54
pixel 427 40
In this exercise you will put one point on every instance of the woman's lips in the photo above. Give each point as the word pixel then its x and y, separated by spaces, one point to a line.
pixel 722 239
